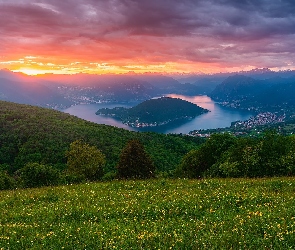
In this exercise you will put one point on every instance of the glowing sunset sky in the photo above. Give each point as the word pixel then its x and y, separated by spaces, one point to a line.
pixel 117 36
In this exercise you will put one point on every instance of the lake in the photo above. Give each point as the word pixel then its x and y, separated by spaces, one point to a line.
pixel 218 117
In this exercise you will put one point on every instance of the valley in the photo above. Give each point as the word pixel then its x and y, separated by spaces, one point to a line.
pixel 253 92
pixel 218 117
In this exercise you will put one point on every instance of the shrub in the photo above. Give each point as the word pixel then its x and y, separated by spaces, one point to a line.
pixel 6 181
pixel 199 161
pixel 37 175
pixel 109 176
pixel 229 169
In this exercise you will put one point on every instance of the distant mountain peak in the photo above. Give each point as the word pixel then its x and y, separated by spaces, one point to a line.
pixel 260 70
pixel 238 79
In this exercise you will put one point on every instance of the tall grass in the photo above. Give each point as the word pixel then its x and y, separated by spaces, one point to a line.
pixel 152 214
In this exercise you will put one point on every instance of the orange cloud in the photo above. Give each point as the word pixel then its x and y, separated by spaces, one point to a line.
pixel 159 36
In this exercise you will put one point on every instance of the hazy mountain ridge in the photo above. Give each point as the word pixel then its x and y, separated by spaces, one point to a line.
pixel 86 88
pixel 237 87
pixel 258 73
pixel 207 83
pixel 244 92
pixel 61 91
pixel 30 93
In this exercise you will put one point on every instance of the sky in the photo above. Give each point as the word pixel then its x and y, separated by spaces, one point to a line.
pixel 170 36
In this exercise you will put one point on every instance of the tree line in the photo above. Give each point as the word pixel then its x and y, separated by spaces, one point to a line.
pixel 84 163
pixel 224 155
pixel 45 147
pixel 34 135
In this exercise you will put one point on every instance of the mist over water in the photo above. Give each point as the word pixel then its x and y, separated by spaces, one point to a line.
pixel 218 117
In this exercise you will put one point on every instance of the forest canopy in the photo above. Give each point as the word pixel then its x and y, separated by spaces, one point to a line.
pixel 32 134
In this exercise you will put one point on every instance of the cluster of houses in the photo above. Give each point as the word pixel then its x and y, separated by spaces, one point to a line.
pixel 239 128
pixel 258 120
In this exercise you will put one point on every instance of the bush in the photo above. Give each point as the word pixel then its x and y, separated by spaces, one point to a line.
pixel 193 164
pixel 6 181
pixel 229 169
pixel 37 175
pixel 198 162
pixel 72 178
pixel 109 176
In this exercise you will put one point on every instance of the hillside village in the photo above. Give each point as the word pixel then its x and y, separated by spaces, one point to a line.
pixel 239 128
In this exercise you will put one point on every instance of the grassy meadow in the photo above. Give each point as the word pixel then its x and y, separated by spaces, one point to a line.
pixel 152 214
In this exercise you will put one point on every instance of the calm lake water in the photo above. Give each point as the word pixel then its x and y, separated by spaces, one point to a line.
pixel 219 117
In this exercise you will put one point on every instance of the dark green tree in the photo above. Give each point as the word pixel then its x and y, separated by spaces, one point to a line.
pixel 134 162
pixel 273 148
pixel 6 181
pixel 193 164
pixel 240 160
pixel 85 161
pixel 37 175
pixel 196 162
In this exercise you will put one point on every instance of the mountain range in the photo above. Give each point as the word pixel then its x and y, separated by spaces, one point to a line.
pixel 58 91
pixel 245 89
pixel 248 93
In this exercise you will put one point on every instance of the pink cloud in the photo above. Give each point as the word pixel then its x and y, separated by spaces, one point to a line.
pixel 225 33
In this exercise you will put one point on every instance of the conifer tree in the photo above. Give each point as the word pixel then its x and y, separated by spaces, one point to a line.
pixel 134 162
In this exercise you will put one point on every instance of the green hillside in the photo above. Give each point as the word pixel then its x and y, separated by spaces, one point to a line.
pixel 152 214
pixel 33 134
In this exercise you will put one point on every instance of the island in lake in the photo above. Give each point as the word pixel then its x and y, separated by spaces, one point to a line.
pixel 155 112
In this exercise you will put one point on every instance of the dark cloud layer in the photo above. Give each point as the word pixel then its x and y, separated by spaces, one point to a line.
pixel 229 33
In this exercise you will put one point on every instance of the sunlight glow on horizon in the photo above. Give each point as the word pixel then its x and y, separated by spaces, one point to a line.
pixel 116 70
pixel 30 65
pixel 118 37
pixel 34 65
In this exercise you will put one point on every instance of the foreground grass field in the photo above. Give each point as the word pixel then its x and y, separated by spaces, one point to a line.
pixel 156 214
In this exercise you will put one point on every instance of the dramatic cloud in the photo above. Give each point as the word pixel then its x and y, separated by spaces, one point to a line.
pixel 146 35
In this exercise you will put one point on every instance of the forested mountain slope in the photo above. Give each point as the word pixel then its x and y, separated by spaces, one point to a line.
pixel 273 94
pixel 238 87
pixel 33 134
